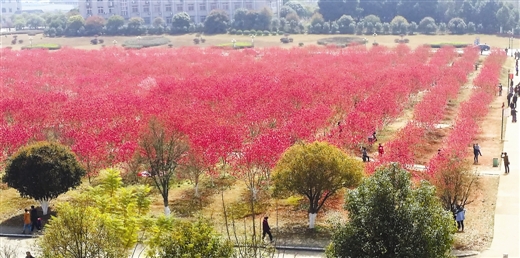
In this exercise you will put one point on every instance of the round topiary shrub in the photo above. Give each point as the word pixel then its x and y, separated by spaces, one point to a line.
pixel 266 33
pixel 246 32
pixel 300 44
pixel 252 32
pixel 281 33
pixel 101 41
pixel 233 31
pixel 239 32
pixel 284 40
pixel 196 40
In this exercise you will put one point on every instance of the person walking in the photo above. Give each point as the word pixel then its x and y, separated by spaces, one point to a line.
pixel 506 161
pixel 266 229
pixel 500 89
pixel 381 150
pixel 476 153
pixel 34 218
pixel 460 216
pixel 509 96
pixel 513 114
pixel 26 221
pixel 365 156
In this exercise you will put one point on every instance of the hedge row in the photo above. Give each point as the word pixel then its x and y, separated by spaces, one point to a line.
pixel 29 32
pixel 48 46
pixel 443 44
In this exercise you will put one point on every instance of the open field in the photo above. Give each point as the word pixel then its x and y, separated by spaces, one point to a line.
pixel 261 41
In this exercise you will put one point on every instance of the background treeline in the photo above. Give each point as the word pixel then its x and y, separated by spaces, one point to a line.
pixel 328 17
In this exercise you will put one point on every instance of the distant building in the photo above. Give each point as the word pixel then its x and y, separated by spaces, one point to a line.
pixel 150 9
pixel 8 8
pixel 47 7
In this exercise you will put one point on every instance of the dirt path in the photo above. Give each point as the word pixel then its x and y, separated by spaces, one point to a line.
pixel 481 212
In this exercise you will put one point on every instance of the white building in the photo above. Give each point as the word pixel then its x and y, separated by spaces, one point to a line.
pixel 8 8
pixel 150 9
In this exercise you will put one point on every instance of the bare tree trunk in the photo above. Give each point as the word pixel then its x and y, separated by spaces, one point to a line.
pixel 225 214
pixel 254 219
pixel 45 206
pixel 167 211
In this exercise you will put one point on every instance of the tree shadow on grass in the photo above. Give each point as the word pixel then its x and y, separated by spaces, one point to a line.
pixel 14 224
pixel 189 204
pixel 301 235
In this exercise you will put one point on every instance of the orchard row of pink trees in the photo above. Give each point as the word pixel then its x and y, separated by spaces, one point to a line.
pixel 244 107
pixel 455 145
pixel 430 110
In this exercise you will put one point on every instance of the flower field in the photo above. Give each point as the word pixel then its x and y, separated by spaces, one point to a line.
pixel 252 102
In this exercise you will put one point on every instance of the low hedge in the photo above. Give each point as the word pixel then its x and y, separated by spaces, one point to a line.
pixel 341 41
pixel 31 32
pixel 49 46
pixel 239 45
pixel 146 42
pixel 454 44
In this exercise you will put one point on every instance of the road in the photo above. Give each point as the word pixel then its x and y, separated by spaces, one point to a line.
pixel 22 245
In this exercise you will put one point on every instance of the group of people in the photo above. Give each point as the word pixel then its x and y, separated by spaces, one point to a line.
pixel 31 220
pixel 512 95
pixel 364 154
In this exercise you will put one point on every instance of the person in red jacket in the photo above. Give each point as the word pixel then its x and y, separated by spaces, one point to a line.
pixel 381 150
pixel 266 229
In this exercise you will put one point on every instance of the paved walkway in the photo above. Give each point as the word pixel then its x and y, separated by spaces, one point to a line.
pixel 507 227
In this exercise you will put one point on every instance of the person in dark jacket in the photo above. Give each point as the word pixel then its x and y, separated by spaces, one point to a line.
pixel 513 114
pixel 34 218
pixel 514 99
pixel 476 153
pixel 509 96
pixel 365 156
pixel 506 161
pixel 266 229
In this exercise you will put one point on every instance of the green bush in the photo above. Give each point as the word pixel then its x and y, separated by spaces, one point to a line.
pixel 233 32
pixel 252 32
pixel 246 32
pixel 49 46
pixel 146 42
pixel 239 32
